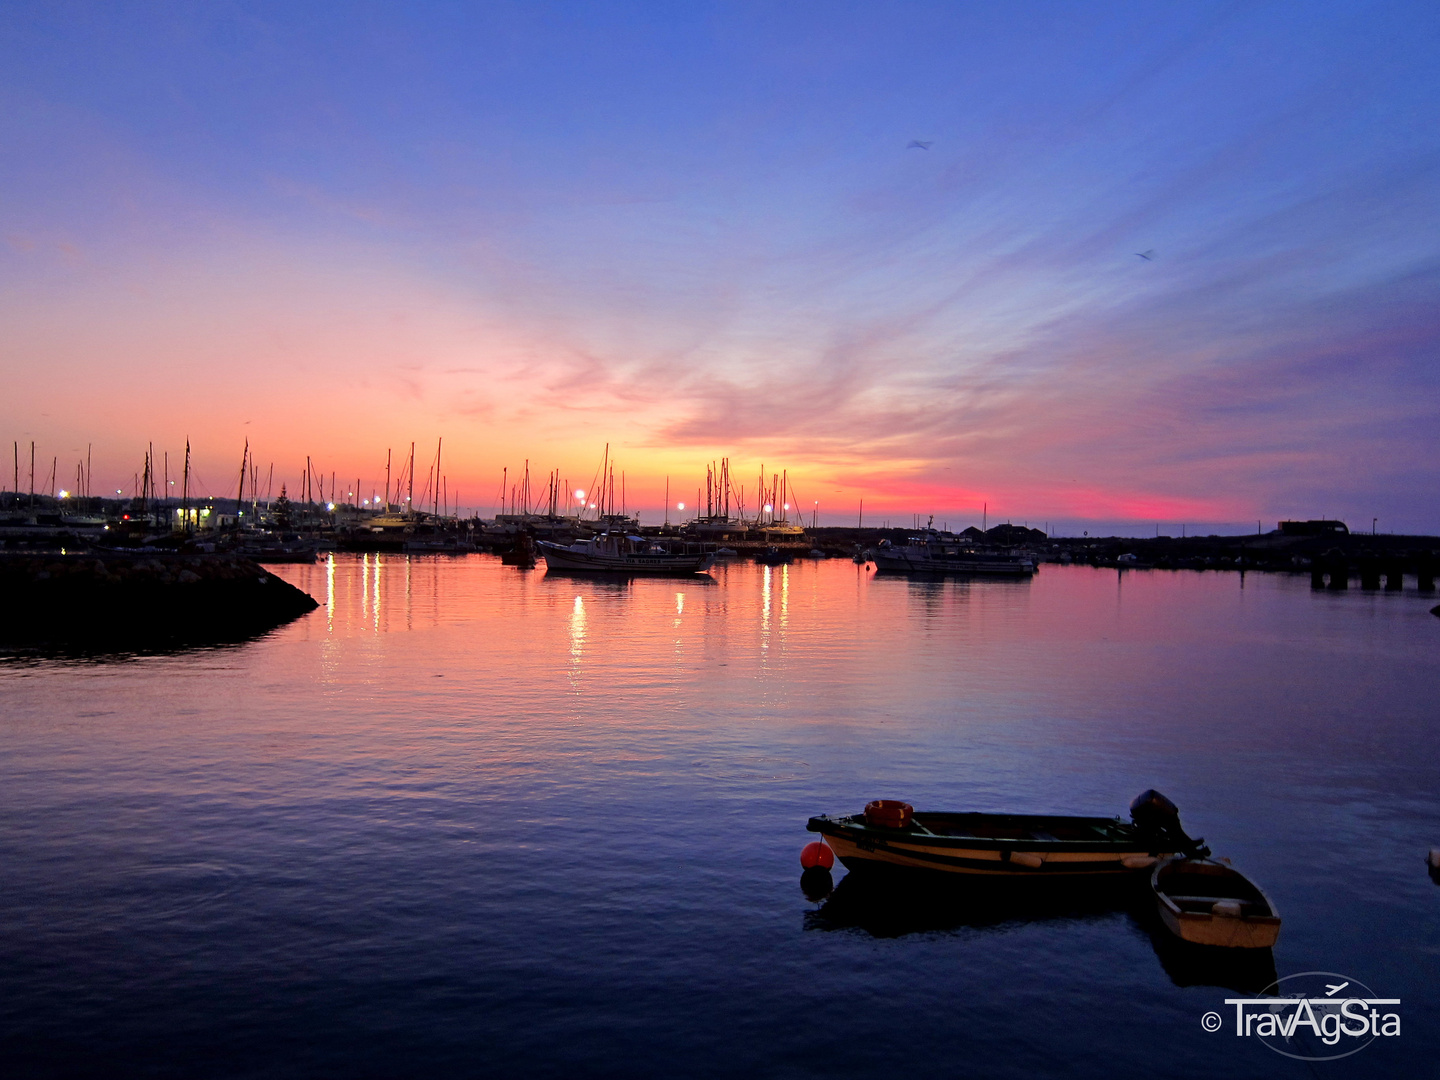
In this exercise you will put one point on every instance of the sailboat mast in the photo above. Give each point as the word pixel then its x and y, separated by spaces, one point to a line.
pixel 240 491
pixel 604 465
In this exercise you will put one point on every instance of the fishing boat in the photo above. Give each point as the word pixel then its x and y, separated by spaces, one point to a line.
pixel 892 835
pixel 1209 902
pixel 937 552
pixel 625 553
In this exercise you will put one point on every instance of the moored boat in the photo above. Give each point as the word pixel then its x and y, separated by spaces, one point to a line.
pixel 270 548
pixel 936 552
pixel 891 835
pixel 521 553
pixel 626 554
pixel 1209 902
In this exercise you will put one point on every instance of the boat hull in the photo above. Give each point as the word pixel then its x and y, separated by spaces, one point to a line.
pixel 266 557
pixel 563 558
pixel 1015 852
pixel 899 561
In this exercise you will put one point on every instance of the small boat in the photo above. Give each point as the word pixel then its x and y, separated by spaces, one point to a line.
pixel 773 556
pixel 891 835
pixel 269 548
pixel 936 552
pixel 521 553
pixel 1209 902
pixel 625 553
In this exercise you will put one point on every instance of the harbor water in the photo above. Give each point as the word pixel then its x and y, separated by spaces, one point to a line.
pixel 465 820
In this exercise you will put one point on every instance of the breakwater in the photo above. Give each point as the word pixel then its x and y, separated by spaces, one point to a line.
pixel 140 600
pixel 1333 562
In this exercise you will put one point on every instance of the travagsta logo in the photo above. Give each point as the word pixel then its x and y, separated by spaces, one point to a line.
pixel 1312 1016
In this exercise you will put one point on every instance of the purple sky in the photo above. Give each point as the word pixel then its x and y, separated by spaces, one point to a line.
pixel 696 230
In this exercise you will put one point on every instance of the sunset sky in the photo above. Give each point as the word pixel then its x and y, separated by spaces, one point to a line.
pixel 694 230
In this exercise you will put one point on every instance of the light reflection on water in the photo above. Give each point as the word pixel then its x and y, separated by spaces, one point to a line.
pixel 469 818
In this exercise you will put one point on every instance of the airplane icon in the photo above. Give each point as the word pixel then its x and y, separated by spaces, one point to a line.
pixel 1331 991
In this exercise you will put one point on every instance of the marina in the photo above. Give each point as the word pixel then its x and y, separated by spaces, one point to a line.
pixel 492 484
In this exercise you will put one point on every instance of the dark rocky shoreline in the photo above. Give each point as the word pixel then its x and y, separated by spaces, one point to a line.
pixel 140 600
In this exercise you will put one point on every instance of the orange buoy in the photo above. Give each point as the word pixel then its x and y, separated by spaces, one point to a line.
pixel 817 854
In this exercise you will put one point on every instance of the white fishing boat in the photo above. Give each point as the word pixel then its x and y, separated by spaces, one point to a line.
pixel 937 552
pixel 625 553
pixel 1209 902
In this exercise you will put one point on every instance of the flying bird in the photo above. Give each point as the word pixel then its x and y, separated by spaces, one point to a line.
pixel 916 144
pixel 1148 255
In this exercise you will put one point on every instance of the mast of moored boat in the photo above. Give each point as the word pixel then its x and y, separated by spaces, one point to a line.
pixel 185 489
pixel 240 490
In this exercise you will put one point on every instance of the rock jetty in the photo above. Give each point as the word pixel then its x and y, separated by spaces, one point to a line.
pixel 140 600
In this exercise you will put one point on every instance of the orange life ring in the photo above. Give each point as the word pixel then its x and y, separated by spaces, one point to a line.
pixel 889 814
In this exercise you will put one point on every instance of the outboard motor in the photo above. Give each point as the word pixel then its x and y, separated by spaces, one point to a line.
pixel 1156 816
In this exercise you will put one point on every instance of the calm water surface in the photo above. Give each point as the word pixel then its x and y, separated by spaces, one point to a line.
pixel 468 820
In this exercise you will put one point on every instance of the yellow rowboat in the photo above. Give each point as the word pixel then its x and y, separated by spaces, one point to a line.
pixel 1209 902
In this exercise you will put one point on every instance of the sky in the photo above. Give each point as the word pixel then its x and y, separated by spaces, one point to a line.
pixel 1154 264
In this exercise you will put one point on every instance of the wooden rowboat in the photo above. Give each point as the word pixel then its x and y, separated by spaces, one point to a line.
pixel 1209 902
pixel 890 835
